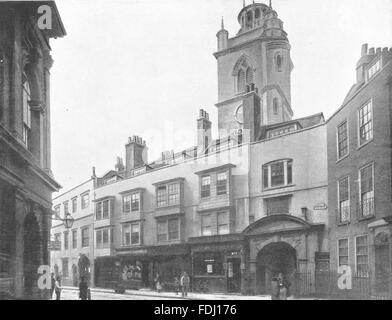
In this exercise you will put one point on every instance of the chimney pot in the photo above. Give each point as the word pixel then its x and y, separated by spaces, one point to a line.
pixel 378 50
pixel 372 51
pixel 385 49
pixel 364 49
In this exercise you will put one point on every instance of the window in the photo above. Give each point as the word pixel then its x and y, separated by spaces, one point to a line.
pixel 74 239
pixel 361 254
pixel 365 124
pixel 223 223
pixel 206 225
pixel 278 205
pixel 74 205
pixel 221 183
pixel 135 202
pixel 174 194
pixel 105 209
pixel 66 210
pixel 162 196
pixel 279 173
pixel 135 233
pixel 102 238
pixel 174 229
pixel 343 252
pixel 257 13
pixel 85 237
pixel 102 210
pixel 209 264
pixel 168 230
pixel 366 176
pixel 215 224
pixel 57 239
pixel 344 200
pixel 374 69
pixel 249 76
pixel 98 211
pixel 279 62
pixel 275 106
pixel 26 113
pixel 85 200
pixel 65 240
pixel 205 186
pixel 127 203
pixel 281 131
pixel 57 210
pixel 241 81
pixel 342 138
pixel 65 267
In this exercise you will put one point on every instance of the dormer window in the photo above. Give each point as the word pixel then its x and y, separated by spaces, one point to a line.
pixel 374 69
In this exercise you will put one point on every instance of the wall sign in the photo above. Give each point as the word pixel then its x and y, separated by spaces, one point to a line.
pixel 320 206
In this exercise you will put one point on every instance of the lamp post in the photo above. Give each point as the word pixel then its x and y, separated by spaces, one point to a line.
pixel 67 221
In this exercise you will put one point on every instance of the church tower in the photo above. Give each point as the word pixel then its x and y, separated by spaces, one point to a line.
pixel 256 62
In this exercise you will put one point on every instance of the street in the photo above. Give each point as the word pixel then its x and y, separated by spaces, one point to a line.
pixel 96 295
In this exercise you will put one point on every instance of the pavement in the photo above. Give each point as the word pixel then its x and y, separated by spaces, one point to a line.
pixel 72 293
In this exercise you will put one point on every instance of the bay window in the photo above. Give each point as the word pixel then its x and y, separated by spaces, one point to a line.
pixel 102 238
pixel 205 186
pixel 168 229
pixel 215 223
pixel 221 183
pixel 131 234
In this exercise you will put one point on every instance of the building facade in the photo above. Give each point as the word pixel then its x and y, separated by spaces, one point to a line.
pixel 72 252
pixel 359 174
pixel 26 181
pixel 234 211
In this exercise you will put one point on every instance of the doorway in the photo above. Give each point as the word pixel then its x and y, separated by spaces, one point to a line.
pixel 273 259
pixel 234 275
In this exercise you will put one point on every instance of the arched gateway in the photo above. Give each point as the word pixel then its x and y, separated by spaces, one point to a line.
pixel 281 243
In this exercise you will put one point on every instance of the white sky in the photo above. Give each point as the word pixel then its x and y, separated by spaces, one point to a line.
pixel 146 67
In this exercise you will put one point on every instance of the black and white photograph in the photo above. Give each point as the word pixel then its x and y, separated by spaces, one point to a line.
pixel 214 151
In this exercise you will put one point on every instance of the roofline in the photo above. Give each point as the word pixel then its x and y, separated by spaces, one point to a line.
pixel 79 185
pixel 389 63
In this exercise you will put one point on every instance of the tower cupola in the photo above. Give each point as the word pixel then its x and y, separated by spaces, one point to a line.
pixel 253 16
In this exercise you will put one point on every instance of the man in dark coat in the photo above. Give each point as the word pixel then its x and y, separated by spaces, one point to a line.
pixel 83 289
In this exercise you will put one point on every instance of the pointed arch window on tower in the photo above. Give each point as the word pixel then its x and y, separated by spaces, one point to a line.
pixel 26 112
pixel 257 13
pixel 279 61
pixel 249 75
pixel 241 81
pixel 275 106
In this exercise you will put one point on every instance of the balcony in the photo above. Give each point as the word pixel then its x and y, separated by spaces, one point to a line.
pixel 366 208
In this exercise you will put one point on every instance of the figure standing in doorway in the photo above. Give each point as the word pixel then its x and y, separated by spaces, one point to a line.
pixel 184 282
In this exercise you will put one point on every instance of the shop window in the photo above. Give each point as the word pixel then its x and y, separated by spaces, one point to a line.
pixel 210 264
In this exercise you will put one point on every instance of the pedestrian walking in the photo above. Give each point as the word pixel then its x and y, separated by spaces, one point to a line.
pixel 275 289
pixel 158 283
pixel 53 284
pixel 83 289
pixel 58 288
pixel 176 285
pixel 184 282
pixel 284 286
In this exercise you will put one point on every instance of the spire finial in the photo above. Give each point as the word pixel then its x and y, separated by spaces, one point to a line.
pixel 270 4
pixel 244 4
pixel 222 24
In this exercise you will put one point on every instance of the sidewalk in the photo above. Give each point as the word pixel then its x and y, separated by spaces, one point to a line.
pixel 191 296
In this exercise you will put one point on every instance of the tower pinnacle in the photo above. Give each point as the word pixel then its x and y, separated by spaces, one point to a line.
pixel 222 24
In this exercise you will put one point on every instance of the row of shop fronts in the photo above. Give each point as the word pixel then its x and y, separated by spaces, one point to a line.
pixel 235 263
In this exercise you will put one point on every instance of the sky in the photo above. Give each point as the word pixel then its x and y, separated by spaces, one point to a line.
pixel 137 67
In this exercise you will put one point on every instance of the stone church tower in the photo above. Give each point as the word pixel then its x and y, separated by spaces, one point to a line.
pixel 254 72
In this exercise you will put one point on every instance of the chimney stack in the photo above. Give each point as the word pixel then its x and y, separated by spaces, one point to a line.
pixel 119 165
pixel 135 153
pixel 204 135
pixel 366 57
